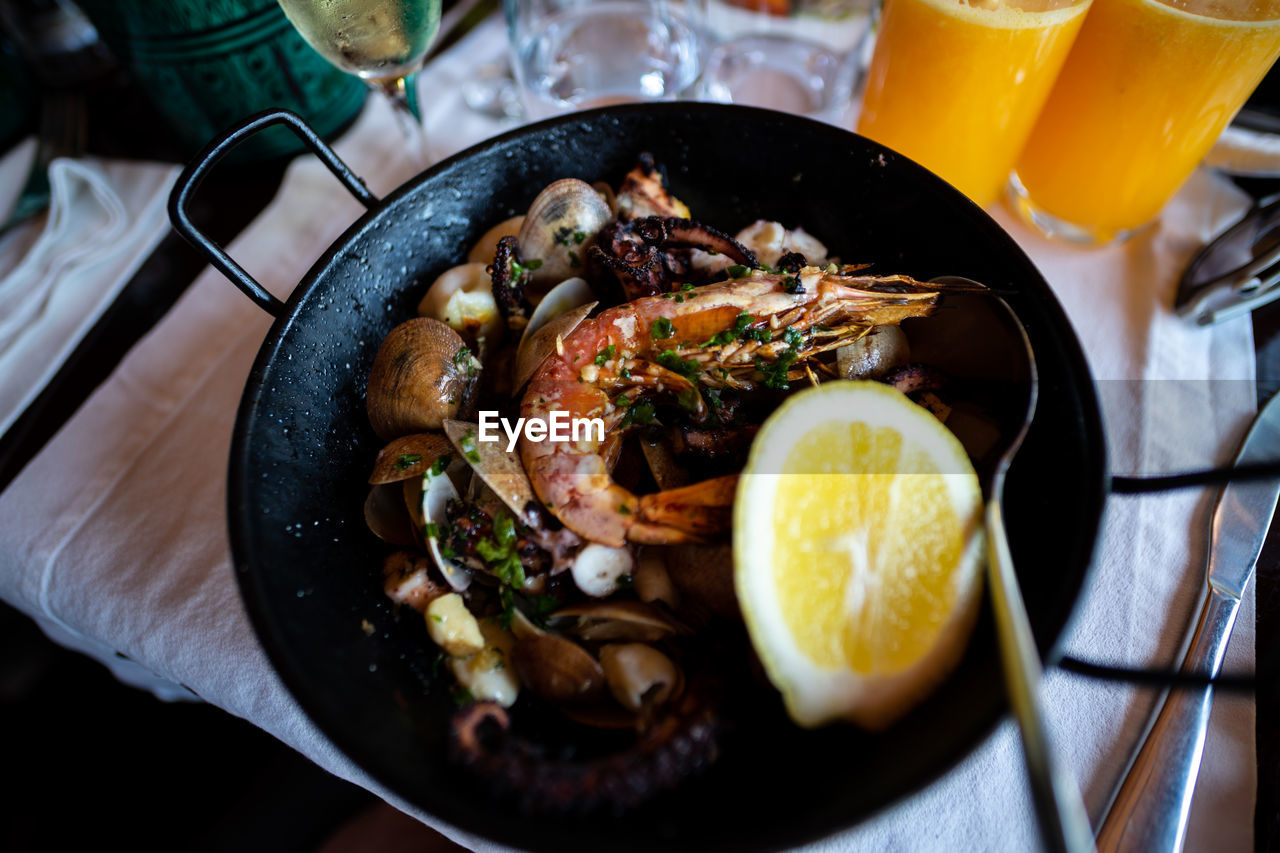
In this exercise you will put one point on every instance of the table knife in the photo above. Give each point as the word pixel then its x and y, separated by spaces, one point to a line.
pixel 1149 811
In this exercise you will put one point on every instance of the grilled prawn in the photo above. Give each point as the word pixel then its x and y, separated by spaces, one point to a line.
pixel 751 332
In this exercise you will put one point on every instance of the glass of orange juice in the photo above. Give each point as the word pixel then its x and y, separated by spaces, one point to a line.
pixel 1148 87
pixel 957 85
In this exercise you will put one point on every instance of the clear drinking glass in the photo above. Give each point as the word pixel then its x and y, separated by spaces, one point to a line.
pixel 799 56
pixel 573 54
pixel 956 86
pixel 1145 92
pixel 383 42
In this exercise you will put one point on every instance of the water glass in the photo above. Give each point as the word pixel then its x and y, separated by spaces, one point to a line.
pixel 575 54
pixel 799 56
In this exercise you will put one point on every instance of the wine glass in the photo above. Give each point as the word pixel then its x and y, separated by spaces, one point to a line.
pixel 383 42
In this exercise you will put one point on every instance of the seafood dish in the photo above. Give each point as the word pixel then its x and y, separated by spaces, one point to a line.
pixel 565 424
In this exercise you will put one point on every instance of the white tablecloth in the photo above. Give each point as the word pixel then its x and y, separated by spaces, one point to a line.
pixel 114 537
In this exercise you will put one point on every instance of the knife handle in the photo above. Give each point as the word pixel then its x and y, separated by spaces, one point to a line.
pixel 1149 812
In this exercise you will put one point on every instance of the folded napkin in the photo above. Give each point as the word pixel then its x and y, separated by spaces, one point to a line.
pixel 94 544
pixel 62 270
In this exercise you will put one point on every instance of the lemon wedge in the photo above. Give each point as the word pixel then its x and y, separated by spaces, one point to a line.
pixel 858 552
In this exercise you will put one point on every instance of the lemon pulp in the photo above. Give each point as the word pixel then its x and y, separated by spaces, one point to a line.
pixel 857 545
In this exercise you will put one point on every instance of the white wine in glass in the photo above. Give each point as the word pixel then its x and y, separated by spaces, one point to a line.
pixel 383 42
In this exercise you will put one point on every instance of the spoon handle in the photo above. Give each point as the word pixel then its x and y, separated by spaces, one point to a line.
pixel 1064 825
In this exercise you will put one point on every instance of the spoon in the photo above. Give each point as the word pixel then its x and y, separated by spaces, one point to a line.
pixel 1007 354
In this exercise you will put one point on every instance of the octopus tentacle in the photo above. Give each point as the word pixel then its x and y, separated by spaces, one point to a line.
pixel 683 742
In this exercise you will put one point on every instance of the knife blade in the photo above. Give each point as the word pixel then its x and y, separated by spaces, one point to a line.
pixel 1150 809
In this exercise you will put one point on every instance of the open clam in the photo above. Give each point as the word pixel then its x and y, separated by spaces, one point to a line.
pixel 561 224
pixel 408 456
pixel 462 298
pixel 437 491
pixel 387 517
pixel 616 620
pixel 535 347
pixel 502 472
pixel 483 250
pixel 557 669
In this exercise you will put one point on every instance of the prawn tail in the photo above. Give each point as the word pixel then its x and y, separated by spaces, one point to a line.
pixel 701 512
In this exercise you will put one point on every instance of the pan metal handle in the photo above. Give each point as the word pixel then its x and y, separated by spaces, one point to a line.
pixel 196 171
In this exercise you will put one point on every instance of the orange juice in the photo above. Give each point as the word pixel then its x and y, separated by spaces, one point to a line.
pixel 956 87
pixel 1145 92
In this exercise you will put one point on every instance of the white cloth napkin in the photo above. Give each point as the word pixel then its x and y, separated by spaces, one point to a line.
pixel 61 270
pixel 114 537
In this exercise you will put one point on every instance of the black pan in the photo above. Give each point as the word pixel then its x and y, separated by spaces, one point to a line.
pixel 308 569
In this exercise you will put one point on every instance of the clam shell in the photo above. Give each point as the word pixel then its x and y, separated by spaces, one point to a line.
pixel 561 299
pixel 614 620
pixel 561 224
pixel 558 670
pixel 487 246
pixel 502 472
pixel 437 491
pixel 408 456
pixel 387 517
pixel 462 299
pixel 536 347
pixel 416 382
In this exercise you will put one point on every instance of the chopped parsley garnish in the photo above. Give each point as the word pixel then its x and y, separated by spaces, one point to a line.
pixel 574 260
pixel 519 269
pixel 686 367
pixel 408 460
pixel 687 286
pixel 605 354
pixel 775 375
pixel 793 338
pixel 624 373
pixel 442 462
pixel 501 554
pixel 430 530
pixel 688 399
pixel 738 270
pixel 579 236
pixel 623 509
pixel 662 329
pixel 468 446
pixel 791 284
pixel 462 696
pixel 542 607
pixel 621 401
pixel 641 413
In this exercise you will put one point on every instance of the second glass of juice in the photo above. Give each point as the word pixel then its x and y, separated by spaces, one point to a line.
pixel 1147 89
pixel 956 86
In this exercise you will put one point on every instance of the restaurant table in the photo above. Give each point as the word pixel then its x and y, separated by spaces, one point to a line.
pixel 175 626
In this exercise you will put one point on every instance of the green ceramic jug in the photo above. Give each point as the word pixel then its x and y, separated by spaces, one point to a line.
pixel 207 64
